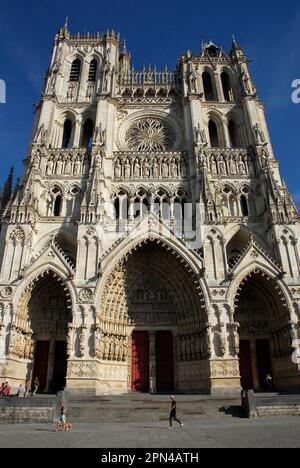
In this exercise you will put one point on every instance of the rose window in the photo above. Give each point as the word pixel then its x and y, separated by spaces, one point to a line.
pixel 150 135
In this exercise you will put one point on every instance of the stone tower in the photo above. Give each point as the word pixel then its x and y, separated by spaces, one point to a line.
pixel 151 244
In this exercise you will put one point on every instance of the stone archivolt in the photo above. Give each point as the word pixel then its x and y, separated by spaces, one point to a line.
pixel 39 313
pixel 272 317
pixel 138 293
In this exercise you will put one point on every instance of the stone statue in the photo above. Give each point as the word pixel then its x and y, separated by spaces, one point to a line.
pixel 137 169
pixel 77 167
pixel 50 167
pixel 127 171
pixel 59 166
pixel 155 169
pixel 53 76
pixel 118 169
pixel 100 135
pixel 71 92
pixel 200 138
pixel 146 169
pixel 165 169
pixel 68 167
pixel 222 166
pixel 106 74
pixel 86 164
pixel 236 338
pixel 232 167
pixel 214 169
pixel 242 168
pixel 192 78
pixel 174 169
pixel 41 135
pixel 259 135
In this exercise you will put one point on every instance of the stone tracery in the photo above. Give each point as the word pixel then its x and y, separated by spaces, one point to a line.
pixel 150 135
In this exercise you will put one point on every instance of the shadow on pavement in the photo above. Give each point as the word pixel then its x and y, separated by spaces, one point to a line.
pixel 234 411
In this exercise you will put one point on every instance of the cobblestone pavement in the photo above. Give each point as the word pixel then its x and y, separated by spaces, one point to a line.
pixel 233 432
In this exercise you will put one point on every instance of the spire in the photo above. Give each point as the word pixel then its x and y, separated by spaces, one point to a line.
pixel 236 51
pixel 7 190
pixel 8 185
pixel 63 32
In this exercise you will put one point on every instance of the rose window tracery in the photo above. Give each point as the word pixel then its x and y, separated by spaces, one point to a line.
pixel 150 135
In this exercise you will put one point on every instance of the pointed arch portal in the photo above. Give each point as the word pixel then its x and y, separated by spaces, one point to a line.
pixel 265 345
pixel 45 309
pixel 156 303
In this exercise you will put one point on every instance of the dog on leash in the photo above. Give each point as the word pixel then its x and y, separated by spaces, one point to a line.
pixel 67 427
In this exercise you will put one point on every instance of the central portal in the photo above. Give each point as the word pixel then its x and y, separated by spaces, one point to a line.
pixel 153 317
pixel 152 370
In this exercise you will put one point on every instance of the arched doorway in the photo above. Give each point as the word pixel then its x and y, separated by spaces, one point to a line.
pixel 154 304
pixel 265 344
pixel 46 305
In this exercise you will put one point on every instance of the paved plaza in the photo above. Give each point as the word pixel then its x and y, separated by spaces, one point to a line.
pixel 276 432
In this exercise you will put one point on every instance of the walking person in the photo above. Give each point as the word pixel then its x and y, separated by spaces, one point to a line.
pixel 36 385
pixel 62 420
pixel 173 413
pixel 269 382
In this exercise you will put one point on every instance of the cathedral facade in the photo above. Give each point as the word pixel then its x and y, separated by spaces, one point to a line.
pixel 151 244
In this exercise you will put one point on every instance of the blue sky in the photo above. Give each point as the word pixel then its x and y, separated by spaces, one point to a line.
pixel 157 32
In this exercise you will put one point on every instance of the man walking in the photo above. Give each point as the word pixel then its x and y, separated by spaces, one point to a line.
pixel 173 413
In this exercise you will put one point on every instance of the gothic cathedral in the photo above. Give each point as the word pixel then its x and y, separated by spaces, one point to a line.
pixel 151 244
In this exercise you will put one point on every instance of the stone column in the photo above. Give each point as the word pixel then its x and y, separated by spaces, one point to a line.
pixel 77 133
pixel 219 88
pixel 152 362
pixel 51 360
pixel 226 134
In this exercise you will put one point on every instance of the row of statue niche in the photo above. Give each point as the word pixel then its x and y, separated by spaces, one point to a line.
pixel 68 165
pixel 234 165
pixel 151 169
pixel 193 347
pixel 111 347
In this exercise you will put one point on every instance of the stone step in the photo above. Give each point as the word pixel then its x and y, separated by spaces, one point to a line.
pixel 147 408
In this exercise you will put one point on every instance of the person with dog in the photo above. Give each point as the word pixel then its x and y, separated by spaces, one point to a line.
pixel 62 420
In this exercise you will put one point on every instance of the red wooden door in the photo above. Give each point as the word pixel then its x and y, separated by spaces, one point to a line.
pixel 140 362
pixel 164 362
pixel 245 365
pixel 41 363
